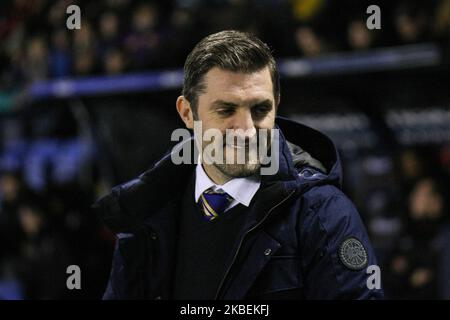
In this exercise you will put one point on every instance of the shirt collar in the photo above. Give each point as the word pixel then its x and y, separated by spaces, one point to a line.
pixel 241 189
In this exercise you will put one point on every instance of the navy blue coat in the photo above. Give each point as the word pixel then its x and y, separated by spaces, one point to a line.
pixel 303 239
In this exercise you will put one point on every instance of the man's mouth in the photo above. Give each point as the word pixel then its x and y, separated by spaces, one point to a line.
pixel 245 146
pixel 237 147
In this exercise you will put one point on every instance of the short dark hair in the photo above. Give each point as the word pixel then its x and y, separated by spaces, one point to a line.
pixel 228 50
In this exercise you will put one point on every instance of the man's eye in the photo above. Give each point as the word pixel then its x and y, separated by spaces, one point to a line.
pixel 225 112
pixel 260 111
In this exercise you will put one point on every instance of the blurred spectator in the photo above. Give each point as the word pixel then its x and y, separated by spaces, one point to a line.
pixel 43 255
pixel 442 21
pixel 412 168
pixel 180 36
pixel 11 192
pixel 109 38
pixel 83 39
pixel 85 63
pixel 411 23
pixel 114 62
pixel 142 44
pixel 35 66
pixel 416 269
pixel 308 42
pixel 56 16
pixel 60 61
pixel 358 36
pixel 84 50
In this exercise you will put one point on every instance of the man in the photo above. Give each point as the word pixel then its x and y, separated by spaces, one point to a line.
pixel 216 230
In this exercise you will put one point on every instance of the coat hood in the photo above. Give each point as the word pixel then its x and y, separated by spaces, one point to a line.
pixel 306 148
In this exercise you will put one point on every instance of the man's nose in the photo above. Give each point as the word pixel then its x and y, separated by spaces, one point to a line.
pixel 243 120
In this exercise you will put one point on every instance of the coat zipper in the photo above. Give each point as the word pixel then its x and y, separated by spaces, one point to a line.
pixel 242 240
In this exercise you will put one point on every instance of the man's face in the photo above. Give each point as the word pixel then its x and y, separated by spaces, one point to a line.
pixel 235 100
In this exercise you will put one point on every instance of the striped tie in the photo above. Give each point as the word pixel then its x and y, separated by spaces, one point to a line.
pixel 214 203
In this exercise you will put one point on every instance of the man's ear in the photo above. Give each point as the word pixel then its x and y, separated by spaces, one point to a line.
pixel 185 111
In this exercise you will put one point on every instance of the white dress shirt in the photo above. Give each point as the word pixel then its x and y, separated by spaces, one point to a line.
pixel 241 190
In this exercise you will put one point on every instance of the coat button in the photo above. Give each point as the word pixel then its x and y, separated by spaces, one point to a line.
pixel 267 252
pixel 154 236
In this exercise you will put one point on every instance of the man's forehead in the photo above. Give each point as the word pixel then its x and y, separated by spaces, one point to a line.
pixel 217 77
pixel 239 87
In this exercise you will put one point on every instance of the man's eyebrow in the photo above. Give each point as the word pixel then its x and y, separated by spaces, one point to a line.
pixel 222 103
pixel 264 103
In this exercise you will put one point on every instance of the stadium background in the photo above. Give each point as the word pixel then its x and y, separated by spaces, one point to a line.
pixel 83 110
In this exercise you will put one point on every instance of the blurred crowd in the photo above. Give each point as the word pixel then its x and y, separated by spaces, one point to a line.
pixel 118 36
pixel 42 233
pixel 49 176
pixel 406 209
pixel 418 265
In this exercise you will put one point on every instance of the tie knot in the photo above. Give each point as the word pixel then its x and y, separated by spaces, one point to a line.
pixel 214 203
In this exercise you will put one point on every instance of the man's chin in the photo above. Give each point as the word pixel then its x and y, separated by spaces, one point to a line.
pixel 238 170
